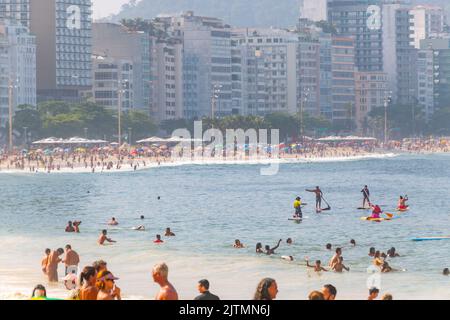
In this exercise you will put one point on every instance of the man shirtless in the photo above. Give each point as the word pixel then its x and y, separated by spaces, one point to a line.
pixel 103 238
pixel 335 259
pixel 319 195
pixel 52 265
pixel 339 266
pixel 160 274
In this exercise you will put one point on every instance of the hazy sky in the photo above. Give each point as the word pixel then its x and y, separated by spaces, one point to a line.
pixel 103 8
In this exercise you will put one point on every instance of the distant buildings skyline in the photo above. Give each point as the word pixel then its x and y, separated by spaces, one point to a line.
pixel 190 66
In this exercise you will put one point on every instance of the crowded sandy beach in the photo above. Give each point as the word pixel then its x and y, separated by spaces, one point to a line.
pixel 53 158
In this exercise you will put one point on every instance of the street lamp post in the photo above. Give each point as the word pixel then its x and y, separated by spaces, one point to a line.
pixel 120 93
pixel 303 102
pixel 26 137
pixel 215 97
pixel 386 101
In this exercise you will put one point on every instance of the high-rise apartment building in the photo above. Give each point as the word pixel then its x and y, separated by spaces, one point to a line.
pixel 206 64
pixel 271 63
pixel 17 68
pixel 440 49
pixel 353 18
pixel 343 79
pixel 399 54
pixel 16 11
pixel 64 47
pixel 429 21
pixel 112 83
pixel 370 93
pixel 118 42
pixel 426 80
pixel 326 75
pixel 308 70
pixel 314 10
pixel 168 79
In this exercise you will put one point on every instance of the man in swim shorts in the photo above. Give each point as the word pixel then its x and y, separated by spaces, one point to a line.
pixel 319 196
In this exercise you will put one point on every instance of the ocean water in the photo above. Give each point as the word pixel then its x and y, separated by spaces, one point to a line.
pixel 209 206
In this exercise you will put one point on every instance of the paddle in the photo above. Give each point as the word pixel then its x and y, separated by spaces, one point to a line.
pixel 390 215
pixel 329 207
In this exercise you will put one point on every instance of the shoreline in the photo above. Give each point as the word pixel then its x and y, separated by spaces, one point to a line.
pixel 207 161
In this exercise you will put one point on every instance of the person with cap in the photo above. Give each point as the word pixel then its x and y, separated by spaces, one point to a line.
pixel 298 207
pixel 107 289
pixel 203 288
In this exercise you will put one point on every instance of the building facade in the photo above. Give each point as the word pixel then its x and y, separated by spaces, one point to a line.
pixel 64 47
pixel 17 68
pixel 16 11
pixel 118 42
pixel 440 51
pixel 370 92
pixel 429 21
pixel 400 56
pixel 352 18
pixel 271 64
pixel 343 80
pixel 112 83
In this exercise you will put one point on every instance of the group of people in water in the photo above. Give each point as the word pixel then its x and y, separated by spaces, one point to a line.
pixel 366 204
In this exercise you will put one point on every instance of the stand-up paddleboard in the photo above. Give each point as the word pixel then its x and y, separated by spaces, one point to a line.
pixel 298 219
pixel 375 219
pixel 361 208
pixel 402 210
pixel 430 238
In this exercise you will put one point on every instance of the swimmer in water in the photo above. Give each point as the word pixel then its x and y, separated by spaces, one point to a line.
pixel 328 246
pixel 76 226
pixel 238 244
pixel 392 254
pixel 69 227
pixel 372 252
pixel 270 251
pixel 139 228
pixel 339 266
pixel 287 258
pixel 353 242
pixel 289 241
pixel 317 266
pixel 103 238
pixel 113 222
pixel 158 239
pixel 446 272
pixel 142 217
pixel 169 233
pixel 385 268
pixel 259 248
pixel 335 259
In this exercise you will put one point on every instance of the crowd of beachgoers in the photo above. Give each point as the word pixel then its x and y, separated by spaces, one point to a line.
pixel 97 282
pixel 106 158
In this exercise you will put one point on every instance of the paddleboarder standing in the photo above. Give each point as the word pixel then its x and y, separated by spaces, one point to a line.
pixel 366 195
pixel 319 196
